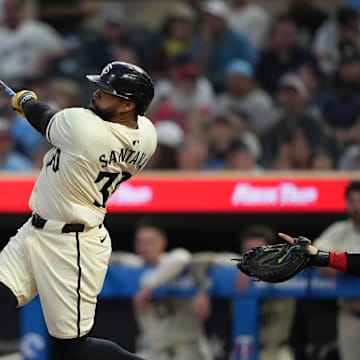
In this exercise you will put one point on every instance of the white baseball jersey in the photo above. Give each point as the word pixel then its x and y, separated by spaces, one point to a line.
pixel 90 159
pixel 341 236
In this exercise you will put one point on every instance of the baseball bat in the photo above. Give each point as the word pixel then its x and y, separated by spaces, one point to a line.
pixel 6 89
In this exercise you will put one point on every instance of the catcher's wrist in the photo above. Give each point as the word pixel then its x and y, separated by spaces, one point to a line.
pixel 338 261
pixel 322 258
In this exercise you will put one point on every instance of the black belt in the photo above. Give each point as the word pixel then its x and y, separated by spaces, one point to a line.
pixel 38 222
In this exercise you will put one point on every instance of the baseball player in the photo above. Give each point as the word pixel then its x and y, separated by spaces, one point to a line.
pixel 171 328
pixel 62 251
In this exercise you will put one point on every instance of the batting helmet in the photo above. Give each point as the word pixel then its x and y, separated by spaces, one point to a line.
pixel 127 81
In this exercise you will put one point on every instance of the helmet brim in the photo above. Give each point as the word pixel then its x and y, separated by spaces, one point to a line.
pixel 101 84
pixel 96 79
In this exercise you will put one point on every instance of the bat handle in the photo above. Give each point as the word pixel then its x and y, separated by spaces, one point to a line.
pixel 7 90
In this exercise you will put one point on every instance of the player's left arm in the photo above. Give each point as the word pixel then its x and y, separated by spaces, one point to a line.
pixel 36 112
pixel 348 263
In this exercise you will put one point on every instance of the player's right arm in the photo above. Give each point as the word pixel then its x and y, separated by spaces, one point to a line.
pixel 348 263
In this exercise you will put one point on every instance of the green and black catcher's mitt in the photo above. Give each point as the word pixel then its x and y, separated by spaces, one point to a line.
pixel 275 263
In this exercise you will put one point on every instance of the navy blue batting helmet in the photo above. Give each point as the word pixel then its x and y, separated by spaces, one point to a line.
pixel 127 81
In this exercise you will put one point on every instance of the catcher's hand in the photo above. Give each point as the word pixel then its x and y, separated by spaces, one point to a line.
pixel 276 263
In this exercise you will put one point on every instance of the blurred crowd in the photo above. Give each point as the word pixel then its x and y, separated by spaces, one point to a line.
pixel 240 84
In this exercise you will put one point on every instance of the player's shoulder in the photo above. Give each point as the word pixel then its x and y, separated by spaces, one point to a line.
pixel 80 120
pixel 334 233
pixel 146 123
pixel 79 114
pixel 341 225
pixel 147 128
pixel 77 111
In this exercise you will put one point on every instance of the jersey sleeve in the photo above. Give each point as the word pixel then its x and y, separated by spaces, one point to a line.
pixel 170 267
pixel 66 130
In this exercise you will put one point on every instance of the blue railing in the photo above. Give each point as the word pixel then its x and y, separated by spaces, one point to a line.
pixel 123 282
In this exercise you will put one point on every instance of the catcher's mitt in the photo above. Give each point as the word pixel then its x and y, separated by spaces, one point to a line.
pixel 275 263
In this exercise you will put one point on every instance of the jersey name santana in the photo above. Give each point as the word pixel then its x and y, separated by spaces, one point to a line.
pixel 90 159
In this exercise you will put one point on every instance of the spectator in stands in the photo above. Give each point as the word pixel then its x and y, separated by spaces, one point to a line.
pixel 186 97
pixel 10 160
pixel 174 39
pixel 218 44
pixel 335 38
pixel 341 109
pixel 65 16
pixel 127 53
pixel 114 34
pixel 283 55
pixel 241 91
pixel 344 235
pixel 170 136
pixel 223 128
pixel 307 17
pixel 276 315
pixel 322 160
pixel 192 154
pixel 293 117
pixel 171 328
pixel 28 47
pixel 238 156
pixel 294 152
pixel 310 75
pixel 250 19
pixel 27 141
pixel 196 6
pixel 354 3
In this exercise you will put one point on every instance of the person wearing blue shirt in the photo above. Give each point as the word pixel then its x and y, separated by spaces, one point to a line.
pixel 27 139
pixel 10 160
pixel 217 44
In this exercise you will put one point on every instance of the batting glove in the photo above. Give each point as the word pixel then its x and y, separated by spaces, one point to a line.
pixel 20 99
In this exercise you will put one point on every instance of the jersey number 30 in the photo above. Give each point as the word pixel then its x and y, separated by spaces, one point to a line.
pixel 109 179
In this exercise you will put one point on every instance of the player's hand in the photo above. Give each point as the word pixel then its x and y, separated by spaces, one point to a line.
pixel 201 306
pixel 142 299
pixel 311 249
pixel 20 99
